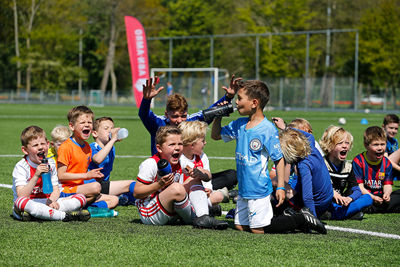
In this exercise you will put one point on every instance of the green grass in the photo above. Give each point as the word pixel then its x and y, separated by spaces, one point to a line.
pixel 125 241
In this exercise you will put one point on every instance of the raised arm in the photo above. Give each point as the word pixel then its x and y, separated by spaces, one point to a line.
pixel 216 129
pixel 102 154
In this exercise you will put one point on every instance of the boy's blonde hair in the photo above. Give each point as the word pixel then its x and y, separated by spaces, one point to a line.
pixel 75 112
pixel 60 133
pixel 332 136
pixel 30 133
pixel 164 131
pixel 192 131
pixel 176 102
pixel 294 145
pixel 256 89
pixel 301 124
pixel 374 133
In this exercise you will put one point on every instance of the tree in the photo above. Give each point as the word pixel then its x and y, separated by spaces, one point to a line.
pixel 380 44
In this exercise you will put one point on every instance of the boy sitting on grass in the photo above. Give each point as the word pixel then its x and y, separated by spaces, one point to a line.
pixel 373 172
pixel 256 141
pixel 29 198
pixel 195 161
pixel 74 156
pixel 103 155
pixel 59 135
pixel 159 199
pixel 348 201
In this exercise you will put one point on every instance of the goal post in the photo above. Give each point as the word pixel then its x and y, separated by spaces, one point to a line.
pixel 193 83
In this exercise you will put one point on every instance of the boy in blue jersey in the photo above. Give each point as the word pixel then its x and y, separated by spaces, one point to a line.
pixel 373 172
pixel 256 141
pixel 103 155
pixel 313 186
pixel 391 126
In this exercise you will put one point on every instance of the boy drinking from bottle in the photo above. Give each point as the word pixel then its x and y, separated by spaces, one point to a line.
pixel 29 198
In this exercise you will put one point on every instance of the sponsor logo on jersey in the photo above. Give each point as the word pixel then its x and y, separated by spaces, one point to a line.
pixel 255 144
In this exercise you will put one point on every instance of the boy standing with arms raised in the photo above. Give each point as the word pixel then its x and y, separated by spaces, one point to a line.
pixel 256 140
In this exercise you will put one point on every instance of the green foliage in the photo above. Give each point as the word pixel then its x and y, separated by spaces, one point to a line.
pixel 380 42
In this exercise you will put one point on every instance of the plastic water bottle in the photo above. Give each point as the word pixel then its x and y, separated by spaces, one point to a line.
pixel 164 167
pixel 122 134
pixel 217 111
pixel 102 212
pixel 46 179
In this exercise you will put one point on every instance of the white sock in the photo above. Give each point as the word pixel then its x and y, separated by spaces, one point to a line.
pixel 198 199
pixel 72 203
pixel 209 202
pixel 184 210
pixel 38 210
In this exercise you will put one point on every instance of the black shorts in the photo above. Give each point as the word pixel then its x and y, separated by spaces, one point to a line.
pixel 105 187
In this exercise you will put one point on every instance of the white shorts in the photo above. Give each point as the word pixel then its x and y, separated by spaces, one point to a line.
pixel 255 213
pixel 152 212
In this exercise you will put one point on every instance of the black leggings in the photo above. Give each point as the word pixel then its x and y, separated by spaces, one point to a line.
pixel 223 179
pixel 392 207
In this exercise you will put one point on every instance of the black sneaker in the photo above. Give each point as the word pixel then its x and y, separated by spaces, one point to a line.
pixel 358 216
pixel 326 216
pixel 233 193
pixel 207 222
pixel 79 215
pixel 215 210
pixel 289 211
pixel 312 222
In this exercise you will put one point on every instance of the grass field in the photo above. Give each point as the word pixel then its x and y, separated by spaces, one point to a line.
pixel 125 241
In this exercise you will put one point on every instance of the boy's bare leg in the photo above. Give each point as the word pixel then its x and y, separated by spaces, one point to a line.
pixel 119 187
pixel 90 191
pixel 112 201
pixel 173 193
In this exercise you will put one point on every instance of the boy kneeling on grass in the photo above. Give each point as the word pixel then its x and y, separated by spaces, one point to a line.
pixel 29 198
pixel 161 199
pixel 256 141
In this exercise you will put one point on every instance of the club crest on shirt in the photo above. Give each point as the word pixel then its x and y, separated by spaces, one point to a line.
pixel 381 175
pixel 255 144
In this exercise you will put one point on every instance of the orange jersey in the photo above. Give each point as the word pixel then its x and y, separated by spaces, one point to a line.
pixel 76 158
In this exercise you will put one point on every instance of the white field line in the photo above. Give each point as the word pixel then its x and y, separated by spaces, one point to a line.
pixel 122 156
pixel 334 228
pixel 363 232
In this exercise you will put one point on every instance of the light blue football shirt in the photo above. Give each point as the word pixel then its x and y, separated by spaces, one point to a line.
pixel 254 147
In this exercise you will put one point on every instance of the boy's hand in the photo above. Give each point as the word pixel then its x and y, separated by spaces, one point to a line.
pixel 208 192
pixel 377 199
pixel 233 87
pixel 149 89
pixel 280 196
pixel 197 173
pixel 347 201
pixel 114 134
pixel 279 123
pixel 94 174
pixel 52 204
pixel 386 197
pixel 42 168
pixel 166 180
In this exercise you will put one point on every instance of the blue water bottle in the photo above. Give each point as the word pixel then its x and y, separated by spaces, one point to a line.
pixel 164 167
pixel 46 179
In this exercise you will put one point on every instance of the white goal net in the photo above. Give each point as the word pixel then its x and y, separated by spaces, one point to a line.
pixel 196 84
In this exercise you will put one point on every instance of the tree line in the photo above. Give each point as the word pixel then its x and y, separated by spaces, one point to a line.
pixel 42 40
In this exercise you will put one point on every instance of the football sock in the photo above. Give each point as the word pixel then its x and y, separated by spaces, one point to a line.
pixel 74 203
pixel 282 224
pixel 39 210
pixel 100 204
pixel 184 210
pixel 198 199
pixel 209 202
pixel 130 194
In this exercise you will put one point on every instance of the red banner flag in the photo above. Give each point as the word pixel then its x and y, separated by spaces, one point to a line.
pixel 137 47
